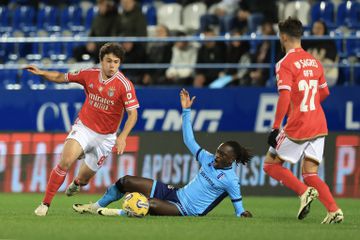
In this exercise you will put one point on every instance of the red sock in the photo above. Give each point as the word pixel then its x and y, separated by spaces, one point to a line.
pixel 57 177
pixel 286 177
pixel 325 196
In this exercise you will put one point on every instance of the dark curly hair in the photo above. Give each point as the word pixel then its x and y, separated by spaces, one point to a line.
pixel 114 48
pixel 242 154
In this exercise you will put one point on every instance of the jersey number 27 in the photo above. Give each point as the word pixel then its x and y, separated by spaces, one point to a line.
pixel 304 86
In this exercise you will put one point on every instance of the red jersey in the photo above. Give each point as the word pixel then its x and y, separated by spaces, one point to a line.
pixel 301 74
pixel 106 99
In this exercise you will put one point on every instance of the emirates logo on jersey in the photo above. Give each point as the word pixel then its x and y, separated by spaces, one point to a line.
pixel 111 91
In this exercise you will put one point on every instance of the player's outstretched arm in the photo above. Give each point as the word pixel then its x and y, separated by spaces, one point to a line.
pixel 52 76
pixel 187 130
pixel 129 124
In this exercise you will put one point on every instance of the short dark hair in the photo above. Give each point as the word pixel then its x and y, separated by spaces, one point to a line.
pixel 242 155
pixel 114 48
pixel 292 27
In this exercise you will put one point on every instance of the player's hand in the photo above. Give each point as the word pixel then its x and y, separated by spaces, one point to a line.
pixel 185 99
pixel 272 137
pixel 33 69
pixel 120 144
pixel 246 214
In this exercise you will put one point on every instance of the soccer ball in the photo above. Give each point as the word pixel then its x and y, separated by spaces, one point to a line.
pixel 136 204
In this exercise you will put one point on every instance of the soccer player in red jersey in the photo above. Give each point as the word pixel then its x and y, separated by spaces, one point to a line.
pixel 108 95
pixel 302 87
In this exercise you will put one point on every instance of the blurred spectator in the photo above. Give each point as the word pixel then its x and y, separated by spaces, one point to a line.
pixel 158 52
pixel 104 24
pixel 259 77
pixel 132 21
pixel 323 50
pixel 219 14
pixel 209 52
pixel 237 52
pixel 182 53
pixel 254 12
pixel 134 53
pixel 18 3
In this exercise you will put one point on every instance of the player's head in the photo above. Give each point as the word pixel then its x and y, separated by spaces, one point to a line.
pixel 229 152
pixel 290 31
pixel 111 56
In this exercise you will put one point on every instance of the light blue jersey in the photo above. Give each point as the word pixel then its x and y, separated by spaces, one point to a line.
pixel 210 186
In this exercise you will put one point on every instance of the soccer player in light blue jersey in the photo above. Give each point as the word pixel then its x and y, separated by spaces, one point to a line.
pixel 216 180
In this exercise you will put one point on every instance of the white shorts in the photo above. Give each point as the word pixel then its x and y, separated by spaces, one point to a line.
pixel 293 152
pixel 96 146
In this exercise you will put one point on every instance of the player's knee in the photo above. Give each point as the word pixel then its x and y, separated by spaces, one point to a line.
pixel 123 182
pixel 153 206
pixel 82 181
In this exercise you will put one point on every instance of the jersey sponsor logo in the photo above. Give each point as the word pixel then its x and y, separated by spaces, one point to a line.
pixel 129 102
pixel 202 173
pixel 100 102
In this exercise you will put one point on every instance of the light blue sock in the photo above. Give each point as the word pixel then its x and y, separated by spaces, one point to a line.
pixel 112 194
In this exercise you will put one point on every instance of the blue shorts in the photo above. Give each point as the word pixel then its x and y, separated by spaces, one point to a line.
pixel 166 192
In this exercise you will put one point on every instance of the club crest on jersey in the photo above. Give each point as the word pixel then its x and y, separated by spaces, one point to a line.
pixel 91 85
pixel 111 91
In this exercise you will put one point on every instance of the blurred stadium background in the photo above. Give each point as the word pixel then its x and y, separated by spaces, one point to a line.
pixel 224 52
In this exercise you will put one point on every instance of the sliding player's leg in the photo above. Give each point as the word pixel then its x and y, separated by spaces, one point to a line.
pixel 116 191
pixel 71 152
pixel 163 208
pixel 157 207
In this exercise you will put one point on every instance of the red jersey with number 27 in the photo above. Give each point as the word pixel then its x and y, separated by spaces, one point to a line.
pixel 301 74
pixel 106 99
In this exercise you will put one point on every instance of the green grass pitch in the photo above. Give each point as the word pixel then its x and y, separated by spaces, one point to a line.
pixel 274 218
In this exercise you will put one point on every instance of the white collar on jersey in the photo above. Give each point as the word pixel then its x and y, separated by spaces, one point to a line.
pixel 101 80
